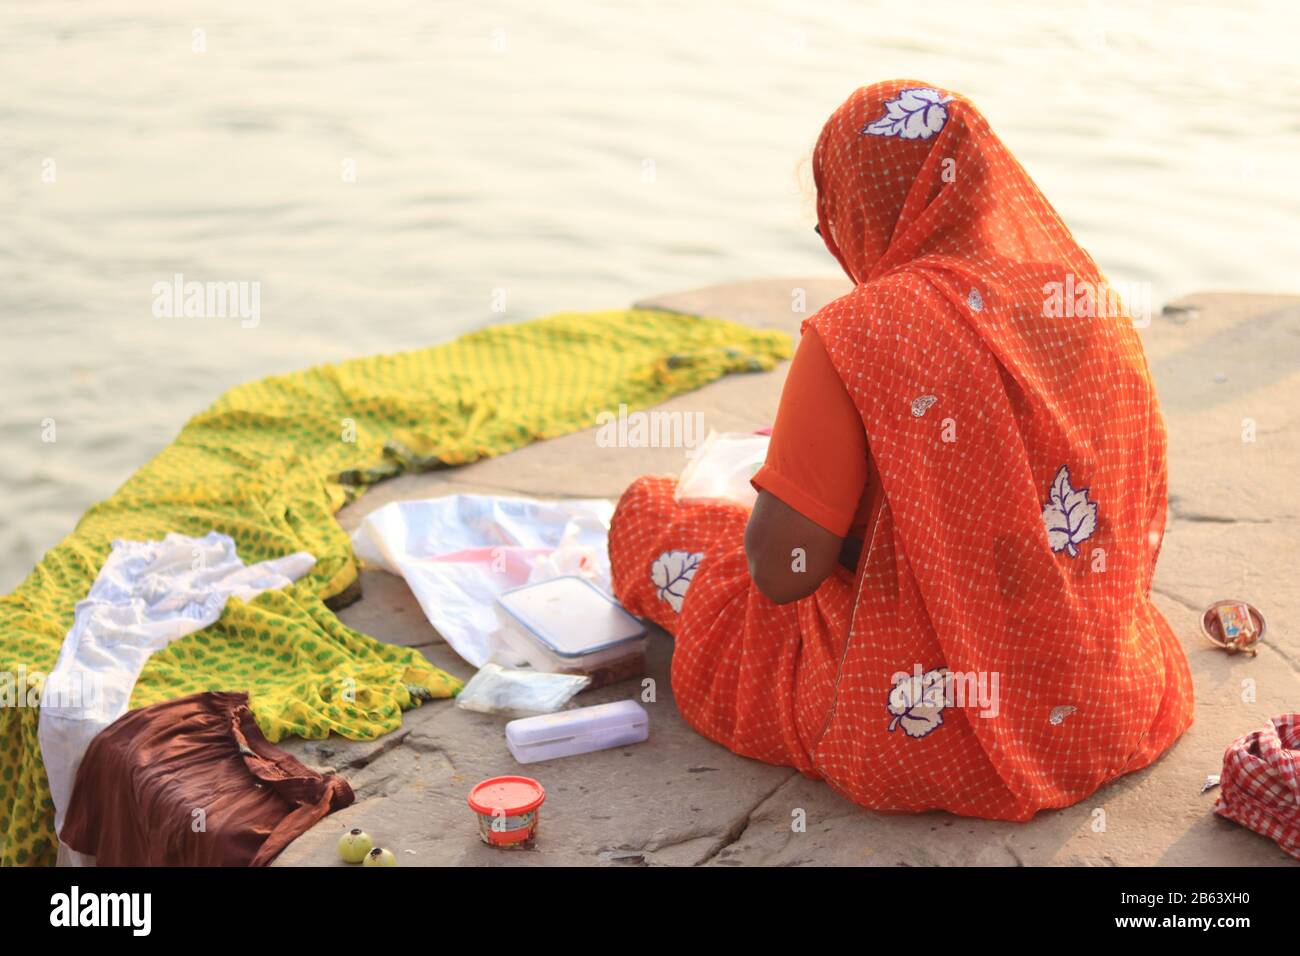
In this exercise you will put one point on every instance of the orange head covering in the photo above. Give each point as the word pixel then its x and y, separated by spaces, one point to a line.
pixel 905 170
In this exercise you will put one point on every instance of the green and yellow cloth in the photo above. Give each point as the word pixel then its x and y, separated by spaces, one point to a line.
pixel 272 461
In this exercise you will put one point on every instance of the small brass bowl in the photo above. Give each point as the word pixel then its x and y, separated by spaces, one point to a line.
pixel 1213 630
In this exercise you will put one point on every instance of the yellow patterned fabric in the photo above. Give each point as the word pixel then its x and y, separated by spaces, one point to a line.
pixel 272 461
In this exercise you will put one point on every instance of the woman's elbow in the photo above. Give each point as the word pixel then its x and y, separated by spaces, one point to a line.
pixel 788 555
pixel 777 582
pixel 781 592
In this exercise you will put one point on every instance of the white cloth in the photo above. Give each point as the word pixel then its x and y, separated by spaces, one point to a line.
pixel 459 552
pixel 147 594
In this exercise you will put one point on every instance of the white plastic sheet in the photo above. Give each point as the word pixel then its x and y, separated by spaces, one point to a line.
pixel 457 553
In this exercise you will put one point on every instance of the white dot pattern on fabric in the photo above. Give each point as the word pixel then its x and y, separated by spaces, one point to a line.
pixel 959 572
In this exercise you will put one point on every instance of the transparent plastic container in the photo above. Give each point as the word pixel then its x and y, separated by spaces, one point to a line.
pixel 579 731
pixel 566 625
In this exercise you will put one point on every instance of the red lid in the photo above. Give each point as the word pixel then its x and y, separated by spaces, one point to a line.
pixel 512 795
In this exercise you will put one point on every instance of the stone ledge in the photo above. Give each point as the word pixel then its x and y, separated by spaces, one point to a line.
pixel 678 799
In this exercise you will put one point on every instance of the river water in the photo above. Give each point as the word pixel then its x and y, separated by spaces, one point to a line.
pixel 389 172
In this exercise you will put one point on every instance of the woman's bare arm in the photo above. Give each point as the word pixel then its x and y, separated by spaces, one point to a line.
pixel 789 555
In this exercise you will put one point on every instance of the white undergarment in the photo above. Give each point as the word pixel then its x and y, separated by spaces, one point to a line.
pixel 147 594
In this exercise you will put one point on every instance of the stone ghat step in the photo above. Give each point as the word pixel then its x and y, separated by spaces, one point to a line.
pixel 1222 362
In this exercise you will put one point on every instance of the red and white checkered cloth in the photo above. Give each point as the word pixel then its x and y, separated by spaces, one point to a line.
pixel 1261 782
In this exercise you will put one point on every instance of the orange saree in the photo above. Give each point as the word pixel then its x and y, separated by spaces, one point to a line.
pixel 996 652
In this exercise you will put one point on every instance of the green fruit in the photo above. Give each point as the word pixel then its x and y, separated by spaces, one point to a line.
pixel 354 845
pixel 380 857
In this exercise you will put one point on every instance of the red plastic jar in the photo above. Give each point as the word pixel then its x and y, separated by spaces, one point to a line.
pixel 507 810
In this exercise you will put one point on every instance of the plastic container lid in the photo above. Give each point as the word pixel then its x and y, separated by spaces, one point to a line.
pixel 514 796
pixel 571 616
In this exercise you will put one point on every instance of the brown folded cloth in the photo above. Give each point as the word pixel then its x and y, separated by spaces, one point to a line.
pixel 145 779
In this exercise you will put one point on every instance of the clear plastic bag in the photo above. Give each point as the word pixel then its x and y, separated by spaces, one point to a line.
pixel 459 552
pixel 518 692
pixel 721 469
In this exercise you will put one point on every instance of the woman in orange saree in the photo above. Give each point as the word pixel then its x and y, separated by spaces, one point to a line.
pixel 989 647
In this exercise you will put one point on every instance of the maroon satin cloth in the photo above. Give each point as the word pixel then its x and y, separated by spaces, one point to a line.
pixel 145 778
